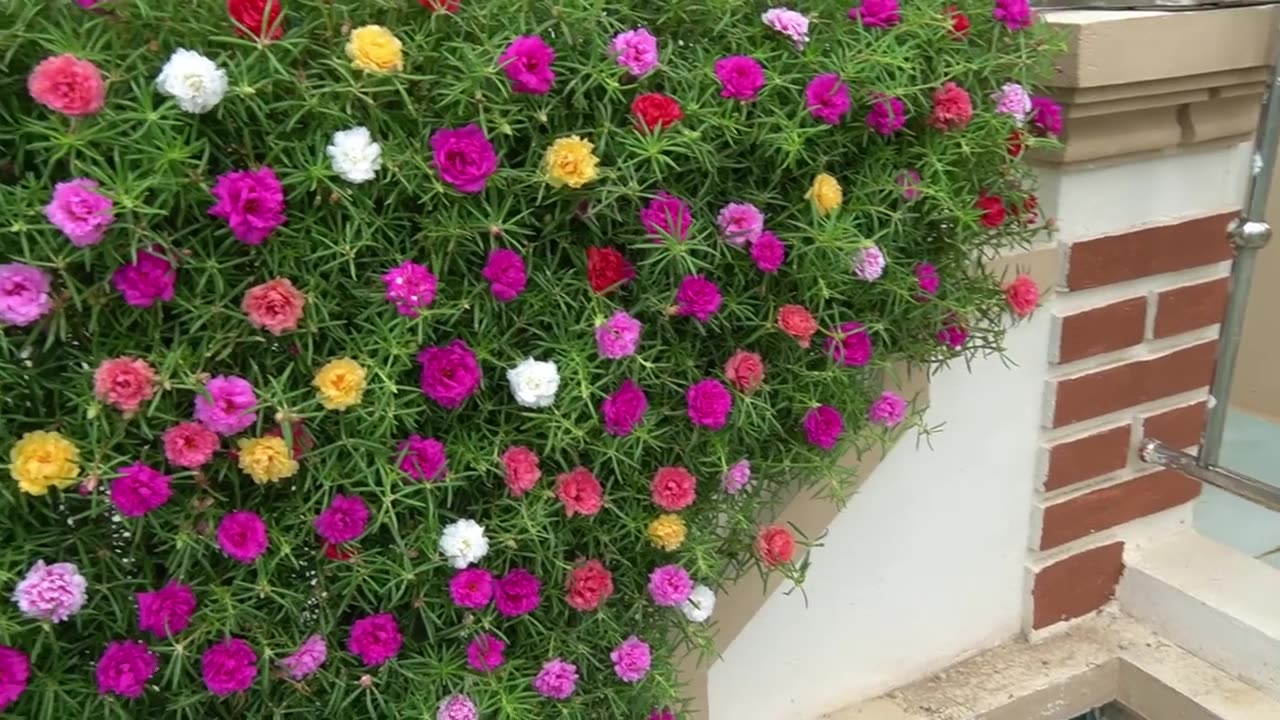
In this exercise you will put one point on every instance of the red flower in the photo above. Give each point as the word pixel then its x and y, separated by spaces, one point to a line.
pixel 1015 145
pixel 775 545
pixel 1022 295
pixel 1029 207
pixel 449 6
pixel 745 370
pixel 254 17
pixel 607 269
pixel 337 552
pixel 959 22
pixel 655 110
pixel 673 488
pixel 588 585
pixel 580 492
pixel 299 439
pixel 992 207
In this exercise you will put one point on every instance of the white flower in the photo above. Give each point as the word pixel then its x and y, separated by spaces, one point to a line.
pixel 354 154
pixel 700 605
pixel 195 81
pixel 463 542
pixel 534 383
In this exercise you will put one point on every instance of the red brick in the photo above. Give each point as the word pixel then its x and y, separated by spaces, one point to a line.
pixel 1076 586
pixel 1102 329
pixel 1088 457
pixel 1179 428
pixel 1149 251
pixel 1133 383
pixel 1114 505
pixel 1190 307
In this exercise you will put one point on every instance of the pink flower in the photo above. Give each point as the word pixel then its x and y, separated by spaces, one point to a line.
pixel 953 334
pixel 124 383
pixel 506 274
pixel 140 489
pixel 624 409
pixel 736 477
pixel 744 370
pixel 275 306
pixel 619 336
pixel 24 294
pixel 307 659
pixel 580 492
pixel 698 297
pixel 229 667
pixel 167 611
pixel 81 212
pixel 709 404
pixel 797 322
pixel 869 263
pixel 472 588
pixel 927 280
pixel 849 345
pixel 251 201
pixel 768 252
pixel 888 410
pixel 952 108
pixel 464 157
pixel 456 707
pixel 1015 14
pixel 344 520
pixel 588 586
pixel 518 593
pixel 631 660
pixel 1046 116
pixel 484 653
pixel 51 592
pixel 15 670
pixel 527 64
pixel 124 669
pixel 1012 100
pixel 740 76
pixel 243 536
pixel 790 23
pixel 670 585
pixel 888 114
pixel 450 373
pixel 823 426
pixel 411 287
pixel 69 85
pixel 227 405
pixel 740 223
pixel 909 181
pixel 1022 295
pixel 673 488
pixel 827 98
pixel 422 459
pixel 521 471
pixel 375 639
pixel 557 679
pixel 876 13
pixel 149 279
pixel 189 444
pixel 666 216
pixel 636 51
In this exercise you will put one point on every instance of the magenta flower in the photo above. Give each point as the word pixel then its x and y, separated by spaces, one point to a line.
pixel 139 489
pixel 518 593
pixel 375 639
pixel 148 279
pixel 953 334
pixel 472 588
pixel 166 611
pixel 624 409
pixel 636 51
pixel 1046 116
pixel 666 216
pixel 827 98
pixel 1015 14
pixel 740 76
pixel 670 585
pixel 51 592
pixel 849 345
pixel 15 670
pixel 527 64
pixel 450 373
pixel 422 459
pixel 736 477
pixel 619 336
pixel 662 714
pixel 631 660
pixel 464 157
pixel 307 659
pixel 823 426
pixel 740 223
pixel 229 667
pixel 869 263
pixel 698 297
pixel 557 679
pixel 24 294
pixel 81 212
pixel 227 405
pixel 876 13
pixel 251 201
pixel 411 287
pixel 344 520
pixel 506 274
pixel 709 404
pixel 242 535
pixel 484 653
pixel 909 181
pixel 768 252
pixel 457 707
pixel 888 410
pixel 888 114
pixel 124 669
pixel 927 279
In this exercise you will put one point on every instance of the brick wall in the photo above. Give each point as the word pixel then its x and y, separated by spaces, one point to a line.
pixel 1135 327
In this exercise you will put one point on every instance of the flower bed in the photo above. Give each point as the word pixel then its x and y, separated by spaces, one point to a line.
pixel 440 359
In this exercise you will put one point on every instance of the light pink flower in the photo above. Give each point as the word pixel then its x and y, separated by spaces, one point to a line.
pixel 189 444
pixel 740 223
pixel 24 294
pixel 81 212
pixel 636 50
pixel 788 22
pixel 124 383
pixel 307 659
pixel 275 306
pixel 51 592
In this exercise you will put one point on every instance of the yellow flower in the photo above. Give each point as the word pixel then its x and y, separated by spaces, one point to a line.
pixel 340 384
pixel 826 193
pixel 266 459
pixel 571 161
pixel 41 460
pixel 667 532
pixel 373 48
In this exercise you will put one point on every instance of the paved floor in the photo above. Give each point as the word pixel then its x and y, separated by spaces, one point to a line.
pixel 1251 445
